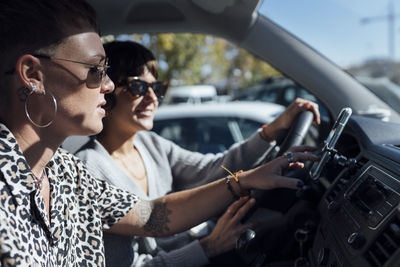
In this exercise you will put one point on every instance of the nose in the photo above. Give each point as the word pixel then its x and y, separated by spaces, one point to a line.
pixel 107 85
pixel 150 95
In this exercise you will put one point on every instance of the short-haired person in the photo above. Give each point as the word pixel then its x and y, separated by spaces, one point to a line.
pixel 129 156
pixel 53 82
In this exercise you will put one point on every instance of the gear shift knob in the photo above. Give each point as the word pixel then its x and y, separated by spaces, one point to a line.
pixel 244 239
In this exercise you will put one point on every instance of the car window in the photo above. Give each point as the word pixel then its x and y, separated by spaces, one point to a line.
pixel 248 127
pixel 360 41
pixel 279 90
pixel 177 100
pixel 205 134
pixel 270 96
pixel 289 95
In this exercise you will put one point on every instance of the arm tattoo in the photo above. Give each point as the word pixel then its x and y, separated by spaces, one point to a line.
pixel 157 224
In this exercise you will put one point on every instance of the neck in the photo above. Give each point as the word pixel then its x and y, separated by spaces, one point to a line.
pixel 37 145
pixel 114 140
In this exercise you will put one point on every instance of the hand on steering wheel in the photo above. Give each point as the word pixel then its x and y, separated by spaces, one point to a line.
pixel 286 119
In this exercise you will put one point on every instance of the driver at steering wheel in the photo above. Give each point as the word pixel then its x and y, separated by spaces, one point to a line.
pixel 129 156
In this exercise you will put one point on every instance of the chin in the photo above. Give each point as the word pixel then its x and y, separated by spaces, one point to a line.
pixel 147 126
pixel 92 129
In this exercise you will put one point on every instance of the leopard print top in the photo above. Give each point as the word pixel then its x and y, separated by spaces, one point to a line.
pixel 81 207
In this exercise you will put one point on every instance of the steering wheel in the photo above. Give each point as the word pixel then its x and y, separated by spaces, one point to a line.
pixel 293 136
pixel 297 132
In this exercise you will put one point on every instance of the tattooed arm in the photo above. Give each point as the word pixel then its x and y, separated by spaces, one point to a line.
pixel 179 211
pixel 175 212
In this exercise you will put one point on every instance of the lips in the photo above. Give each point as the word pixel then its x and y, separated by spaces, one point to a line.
pixel 144 112
pixel 100 107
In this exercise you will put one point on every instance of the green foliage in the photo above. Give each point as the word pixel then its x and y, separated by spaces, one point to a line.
pixel 200 59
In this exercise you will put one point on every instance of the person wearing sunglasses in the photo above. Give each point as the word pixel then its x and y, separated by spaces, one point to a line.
pixel 129 156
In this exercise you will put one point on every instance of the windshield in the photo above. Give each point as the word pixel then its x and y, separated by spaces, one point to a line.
pixel 360 36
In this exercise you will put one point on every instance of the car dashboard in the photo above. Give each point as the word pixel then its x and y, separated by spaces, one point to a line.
pixel 360 215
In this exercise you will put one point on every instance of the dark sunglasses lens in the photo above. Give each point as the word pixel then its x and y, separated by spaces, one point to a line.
pixel 138 88
pixel 159 89
pixel 94 77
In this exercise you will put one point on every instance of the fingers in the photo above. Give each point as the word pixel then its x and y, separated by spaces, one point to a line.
pixel 242 205
pixel 302 148
pixel 286 182
pixel 242 211
pixel 234 207
pixel 296 165
pixel 313 107
pixel 295 157
pixel 303 105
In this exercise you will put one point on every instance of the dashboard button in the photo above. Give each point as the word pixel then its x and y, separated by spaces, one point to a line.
pixel 375 219
pixel 356 240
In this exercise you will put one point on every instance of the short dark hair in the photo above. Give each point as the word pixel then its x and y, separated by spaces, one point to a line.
pixel 127 58
pixel 30 25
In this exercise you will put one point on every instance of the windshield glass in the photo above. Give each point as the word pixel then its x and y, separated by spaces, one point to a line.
pixel 360 36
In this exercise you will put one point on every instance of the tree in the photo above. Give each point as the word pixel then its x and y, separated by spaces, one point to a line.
pixel 204 59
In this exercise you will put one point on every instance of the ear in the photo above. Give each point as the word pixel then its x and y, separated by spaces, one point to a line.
pixel 29 71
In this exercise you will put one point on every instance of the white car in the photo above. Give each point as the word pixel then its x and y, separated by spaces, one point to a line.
pixel 213 127
pixel 190 94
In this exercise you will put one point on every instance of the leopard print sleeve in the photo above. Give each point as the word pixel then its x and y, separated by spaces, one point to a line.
pixel 112 203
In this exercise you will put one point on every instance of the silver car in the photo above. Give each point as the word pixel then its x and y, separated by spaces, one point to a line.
pixel 212 127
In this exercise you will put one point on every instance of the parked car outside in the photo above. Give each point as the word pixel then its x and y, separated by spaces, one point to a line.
pixel 279 90
pixel 190 94
pixel 212 127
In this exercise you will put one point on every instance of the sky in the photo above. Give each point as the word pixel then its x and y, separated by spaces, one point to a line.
pixel 334 28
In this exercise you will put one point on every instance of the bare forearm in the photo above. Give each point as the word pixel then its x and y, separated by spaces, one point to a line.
pixel 179 211
pixel 175 212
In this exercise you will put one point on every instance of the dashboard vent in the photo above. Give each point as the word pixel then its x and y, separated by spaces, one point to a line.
pixel 345 179
pixel 385 245
pixel 360 163
pixel 337 188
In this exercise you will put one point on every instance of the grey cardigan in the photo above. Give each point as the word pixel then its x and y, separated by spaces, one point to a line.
pixel 169 168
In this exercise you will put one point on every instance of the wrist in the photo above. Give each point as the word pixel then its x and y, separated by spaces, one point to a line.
pixel 237 185
pixel 206 245
pixel 267 132
pixel 243 177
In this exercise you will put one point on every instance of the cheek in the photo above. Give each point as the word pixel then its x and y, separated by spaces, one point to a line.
pixel 79 103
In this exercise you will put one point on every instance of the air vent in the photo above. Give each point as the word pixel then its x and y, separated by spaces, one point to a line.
pixel 337 188
pixel 360 163
pixel 345 179
pixel 385 245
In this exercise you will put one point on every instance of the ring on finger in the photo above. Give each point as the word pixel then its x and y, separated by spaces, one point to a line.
pixel 289 156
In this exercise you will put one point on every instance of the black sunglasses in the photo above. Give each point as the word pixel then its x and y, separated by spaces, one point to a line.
pixel 95 75
pixel 138 87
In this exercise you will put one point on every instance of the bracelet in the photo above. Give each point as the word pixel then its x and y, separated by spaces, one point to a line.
pixel 235 176
pixel 230 188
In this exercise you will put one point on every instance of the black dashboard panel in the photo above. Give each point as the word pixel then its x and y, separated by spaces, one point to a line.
pixel 360 214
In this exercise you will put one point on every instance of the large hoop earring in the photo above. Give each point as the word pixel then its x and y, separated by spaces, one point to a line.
pixel 34 89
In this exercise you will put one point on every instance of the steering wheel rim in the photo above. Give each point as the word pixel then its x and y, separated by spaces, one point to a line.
pixel 297 131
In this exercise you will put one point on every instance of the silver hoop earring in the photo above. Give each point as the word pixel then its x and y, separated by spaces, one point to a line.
pixel 34 88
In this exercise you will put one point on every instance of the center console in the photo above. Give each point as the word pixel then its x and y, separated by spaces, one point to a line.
pixel 360 223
